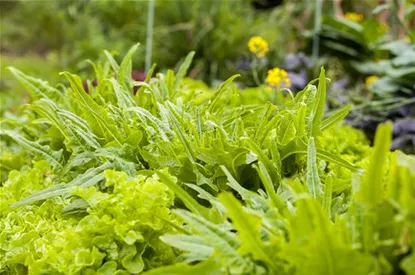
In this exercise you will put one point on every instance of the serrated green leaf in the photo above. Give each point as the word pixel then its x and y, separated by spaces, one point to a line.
pixel 111 60
pixel 317 111
pixel 313 179
pixel 248 228
pixel 188 200
pixel 90 178
pixel 37 88
pixel 181 73
pixel 53 157
pixel 220 92
pixel 94 113
pixel 205 268
pixel 286 130
pixel 124 73
pixel 372 187
pixel 335 118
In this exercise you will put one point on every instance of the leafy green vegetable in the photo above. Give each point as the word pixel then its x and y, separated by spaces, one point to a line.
pixel 121 226
pixel 184 179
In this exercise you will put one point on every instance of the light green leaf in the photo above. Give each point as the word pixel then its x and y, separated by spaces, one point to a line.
pixel 111 60
pixel 181 73
pixel 97 115
pixel 286 130
pixel 197 247
pixel 247 195
pixel 372 186
pixel 220 92
pixel 209 267
pixel 317 111
pixel 269 187
pixel 37 88
pixel 335 118
pixel 124 73
pixel 53 157
pixel 188 200
pixel 89 178
pixel 313 179
pixel 248 229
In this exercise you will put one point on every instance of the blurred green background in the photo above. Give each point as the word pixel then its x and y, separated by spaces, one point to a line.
pixel 42 38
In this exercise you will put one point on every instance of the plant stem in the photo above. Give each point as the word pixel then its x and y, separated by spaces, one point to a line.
pixel 317 26
pixel 255 73
pixel 149 38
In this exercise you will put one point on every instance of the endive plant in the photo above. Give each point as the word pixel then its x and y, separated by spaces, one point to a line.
pixel 372 237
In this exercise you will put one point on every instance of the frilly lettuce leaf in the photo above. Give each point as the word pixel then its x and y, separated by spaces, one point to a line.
pixel 119 234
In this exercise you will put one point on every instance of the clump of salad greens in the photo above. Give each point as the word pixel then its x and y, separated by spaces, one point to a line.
pixel 179 178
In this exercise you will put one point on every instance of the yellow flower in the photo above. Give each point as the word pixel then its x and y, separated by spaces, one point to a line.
pixel 370 80
pixel 258 46
pixel 278 77
pixel 352 16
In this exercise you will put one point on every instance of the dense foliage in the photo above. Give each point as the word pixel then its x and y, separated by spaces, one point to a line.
pixel 77 30
pixel 369 55
pixel 375 71
pixel 182 179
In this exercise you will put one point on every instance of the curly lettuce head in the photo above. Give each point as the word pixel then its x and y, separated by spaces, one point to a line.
pixel 118 235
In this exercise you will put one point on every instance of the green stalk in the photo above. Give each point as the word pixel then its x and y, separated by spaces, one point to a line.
pixel 255 72
pixel 149 38
pixel 317 26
